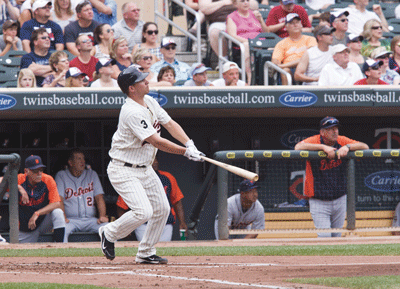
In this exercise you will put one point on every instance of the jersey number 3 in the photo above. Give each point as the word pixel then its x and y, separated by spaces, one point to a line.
pixel 144 124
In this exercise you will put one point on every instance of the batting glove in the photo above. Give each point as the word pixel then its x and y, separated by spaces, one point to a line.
pixel 194 155
pixel 190 143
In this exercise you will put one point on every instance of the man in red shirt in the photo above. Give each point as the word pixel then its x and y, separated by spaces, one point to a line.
pixel 326 183
pixel 372 71
pixel 277 15
pixel 85 62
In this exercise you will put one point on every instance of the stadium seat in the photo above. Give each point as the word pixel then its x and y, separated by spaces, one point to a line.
pixel 8 74
pixel 12 59
pixel 394 28
pixel 388 10
pixel 261 48
pixel 13 83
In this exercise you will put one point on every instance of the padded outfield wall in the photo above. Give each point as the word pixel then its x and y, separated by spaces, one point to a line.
pixel 271 118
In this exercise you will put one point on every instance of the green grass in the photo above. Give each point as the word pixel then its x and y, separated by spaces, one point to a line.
pixel 327 250
pixel 365 282
pixel 48 286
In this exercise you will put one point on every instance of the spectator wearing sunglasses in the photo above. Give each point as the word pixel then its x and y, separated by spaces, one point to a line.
pixel 389 76
pixel 373 37
pixel 104 11
pixel 130 26
pixel 104 36
pixel 339 21
pixel 199 76
pixel 326 183
pixel 354 44
pixel 149 41
pixel 144 59
pixel 373 71
pixel 168 49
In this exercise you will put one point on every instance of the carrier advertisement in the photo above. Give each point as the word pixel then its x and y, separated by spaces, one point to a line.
pixel 207 98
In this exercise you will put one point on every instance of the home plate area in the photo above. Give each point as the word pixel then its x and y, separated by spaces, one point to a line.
pixel 193 271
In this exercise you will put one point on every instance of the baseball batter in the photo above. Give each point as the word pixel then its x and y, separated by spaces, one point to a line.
pixel 244 211
pixel 133 149
pixel 325 182
pixel 82 195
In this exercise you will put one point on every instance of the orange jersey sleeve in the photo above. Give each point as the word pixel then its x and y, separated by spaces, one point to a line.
pixel 54 197
pixel 121 203
pixel 176 193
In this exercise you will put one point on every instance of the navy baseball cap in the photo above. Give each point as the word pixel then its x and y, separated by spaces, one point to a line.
pixel 247 185
pixel 34 162
pixel 328 121
pixel 371 63
pixel 104 62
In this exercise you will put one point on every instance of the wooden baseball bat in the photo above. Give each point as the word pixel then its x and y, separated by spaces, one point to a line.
pixel 235 170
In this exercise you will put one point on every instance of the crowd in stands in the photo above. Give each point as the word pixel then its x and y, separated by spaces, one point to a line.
pixel 342 39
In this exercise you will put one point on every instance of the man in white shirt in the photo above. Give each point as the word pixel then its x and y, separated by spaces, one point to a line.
pixel 358 15
pixel 316 57
pixel 341 72
pixel 230 76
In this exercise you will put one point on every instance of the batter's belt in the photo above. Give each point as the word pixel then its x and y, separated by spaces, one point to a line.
pixel 129 165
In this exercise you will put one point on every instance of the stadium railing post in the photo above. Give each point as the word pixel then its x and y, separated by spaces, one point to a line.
pixel 223 230
pixel 351 195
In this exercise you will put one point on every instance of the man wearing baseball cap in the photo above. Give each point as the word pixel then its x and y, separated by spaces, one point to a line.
pixel 325 182
pixel 230 75
pixel 372 70
pixel 340 72
pixel 277 18
pixel 199 75
pixel 244 211
pixel 10 40
pixel 39 203
pixel 168 50
pixel 41 15
pixel 316 57
pixel 339 21
pixel 133 149
pixel 288 52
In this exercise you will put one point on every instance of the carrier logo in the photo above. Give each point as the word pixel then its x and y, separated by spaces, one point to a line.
pixel 291 138
pixel 384 181
pixel 161 98
pixel 298 98
pixel 7 101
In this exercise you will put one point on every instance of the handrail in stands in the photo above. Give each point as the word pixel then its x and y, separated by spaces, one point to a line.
pixel 222 59
pixel 165 17
pixel 277 68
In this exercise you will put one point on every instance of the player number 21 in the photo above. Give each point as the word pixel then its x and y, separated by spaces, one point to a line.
pixel 144 124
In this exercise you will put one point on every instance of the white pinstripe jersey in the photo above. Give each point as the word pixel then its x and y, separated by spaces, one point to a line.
pixel 135 124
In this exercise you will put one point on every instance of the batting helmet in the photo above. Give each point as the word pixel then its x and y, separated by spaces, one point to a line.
pixel 130 76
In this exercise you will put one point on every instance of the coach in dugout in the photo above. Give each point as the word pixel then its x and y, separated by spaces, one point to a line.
pixel 244 211
pixel 325 182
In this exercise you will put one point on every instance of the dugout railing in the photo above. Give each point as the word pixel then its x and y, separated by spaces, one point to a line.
pixel 373 184
pixel 10 181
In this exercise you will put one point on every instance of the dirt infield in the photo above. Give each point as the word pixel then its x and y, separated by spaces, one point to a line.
pixel 198 271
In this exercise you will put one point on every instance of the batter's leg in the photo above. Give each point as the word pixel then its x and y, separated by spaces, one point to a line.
pixel 161 209
pixel 127 184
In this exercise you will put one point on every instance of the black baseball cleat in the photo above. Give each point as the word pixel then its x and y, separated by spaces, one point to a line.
pixel 106 246
pixel 153 259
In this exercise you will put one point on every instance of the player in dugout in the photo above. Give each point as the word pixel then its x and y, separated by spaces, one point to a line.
pixel 244 211
pixel 325 182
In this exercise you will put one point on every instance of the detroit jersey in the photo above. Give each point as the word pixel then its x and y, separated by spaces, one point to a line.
pixel 239 220
pixel 79 192
pixel 136 123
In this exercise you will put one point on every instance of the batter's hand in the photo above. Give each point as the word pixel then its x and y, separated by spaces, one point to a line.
pixel 194 155
pixel 190 143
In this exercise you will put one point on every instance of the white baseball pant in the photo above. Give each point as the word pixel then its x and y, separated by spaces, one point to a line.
pixel 328 214
pixel 143 193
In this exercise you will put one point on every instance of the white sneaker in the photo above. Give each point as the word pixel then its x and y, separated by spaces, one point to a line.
pixel 2 240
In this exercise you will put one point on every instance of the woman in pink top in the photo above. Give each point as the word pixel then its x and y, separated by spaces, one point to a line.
pixel 244 24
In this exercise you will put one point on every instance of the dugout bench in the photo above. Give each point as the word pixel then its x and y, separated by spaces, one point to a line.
pixel 303 221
